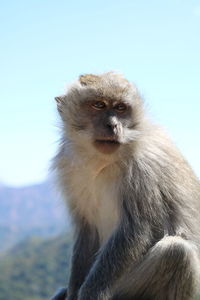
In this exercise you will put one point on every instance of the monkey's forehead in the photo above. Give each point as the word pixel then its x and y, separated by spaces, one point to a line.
pixel 110 86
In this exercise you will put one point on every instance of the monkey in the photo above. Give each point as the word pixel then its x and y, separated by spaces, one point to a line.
pixel 133 198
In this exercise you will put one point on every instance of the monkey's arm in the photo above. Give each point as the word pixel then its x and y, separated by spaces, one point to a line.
pixel 84 251
pixel 114 259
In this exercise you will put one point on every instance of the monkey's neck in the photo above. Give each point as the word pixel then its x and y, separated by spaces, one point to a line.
pixel 94 161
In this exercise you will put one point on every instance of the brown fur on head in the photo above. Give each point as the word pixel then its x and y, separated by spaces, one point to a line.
pixel 89 79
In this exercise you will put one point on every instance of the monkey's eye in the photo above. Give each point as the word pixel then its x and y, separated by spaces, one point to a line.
pixel 98 105
pixel 120 107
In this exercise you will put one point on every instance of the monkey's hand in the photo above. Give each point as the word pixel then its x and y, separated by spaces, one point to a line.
pixel 60 295
pixel 91 293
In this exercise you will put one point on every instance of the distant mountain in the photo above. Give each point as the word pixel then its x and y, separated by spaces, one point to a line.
pixel 30 210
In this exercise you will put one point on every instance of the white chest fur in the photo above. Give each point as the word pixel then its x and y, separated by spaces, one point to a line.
pixel 93 193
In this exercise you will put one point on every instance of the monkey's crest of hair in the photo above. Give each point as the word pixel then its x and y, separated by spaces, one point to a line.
pixel 89 79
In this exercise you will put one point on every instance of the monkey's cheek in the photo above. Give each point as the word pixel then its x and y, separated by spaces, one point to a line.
pixel 106 147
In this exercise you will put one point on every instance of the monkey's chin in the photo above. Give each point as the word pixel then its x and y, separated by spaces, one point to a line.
pixel 106 146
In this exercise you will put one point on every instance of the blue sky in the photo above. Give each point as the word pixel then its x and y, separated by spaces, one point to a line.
pixel 47 44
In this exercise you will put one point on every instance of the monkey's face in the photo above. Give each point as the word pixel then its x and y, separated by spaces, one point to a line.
pixel 108 123
pixel 102 116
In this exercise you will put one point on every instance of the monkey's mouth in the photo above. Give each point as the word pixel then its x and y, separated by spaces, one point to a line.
pixel 107 141
pixel 107 145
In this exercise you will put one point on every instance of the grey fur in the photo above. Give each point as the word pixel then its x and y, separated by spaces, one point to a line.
pixel 136 208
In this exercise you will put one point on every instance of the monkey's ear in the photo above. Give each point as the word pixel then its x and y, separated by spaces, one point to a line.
pixel 89 79
pixel 59 101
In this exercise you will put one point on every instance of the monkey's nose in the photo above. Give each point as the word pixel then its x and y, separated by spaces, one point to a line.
pixel 111 125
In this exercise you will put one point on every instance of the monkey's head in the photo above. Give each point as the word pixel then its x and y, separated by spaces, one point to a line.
pixel 101 112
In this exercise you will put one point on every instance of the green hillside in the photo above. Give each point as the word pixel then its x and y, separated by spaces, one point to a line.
pixel 35 268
